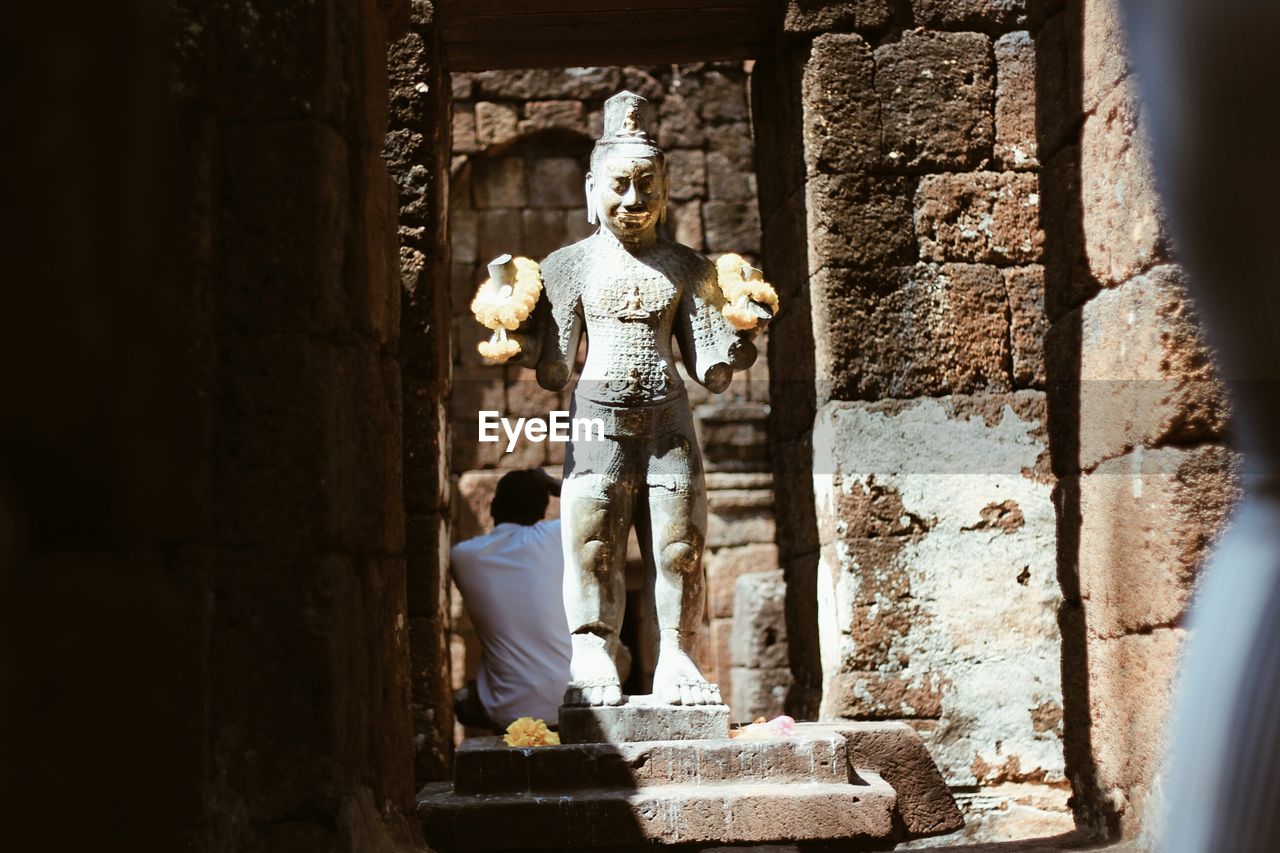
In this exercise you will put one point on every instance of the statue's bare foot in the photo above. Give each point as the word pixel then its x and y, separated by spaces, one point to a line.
pixel 677 681
pixel 593 676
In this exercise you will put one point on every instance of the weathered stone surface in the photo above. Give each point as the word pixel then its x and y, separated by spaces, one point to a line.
pixel 556 182
pixel 728 813
pixel 1020 817
pixel 462 237
pixel 731 226
pixel 822 16
pixel 464 130
pixel 542 231
pixel 935 93
pixel 733 140
pixel 576 224
pixel 1015 146
pixel 722 98
pixel 942 507
pixel 554 115
pixel 499 232
pixel 427 549
pixel 1058 84
pixel 1146 376
pixel 841 107
pixel 643 83
pixel 1068 283
pixel 685 221
pixel 1131 681
pixel 533 84
pixel 498 182
pixel 475 491
pixel 460 86
pixel 759 621
pixel 678 124
pixel 496 124
pixel 427 487
pixel 312 199
pixel 1105 53
pixel 485 765
pixel 642 719
pixel 725 565
pixel 307 389
pixel 734 438
pixel 981 217
pixel 733 526
pixel 1024 287
pixel 526 398
pixel 1123 228
pixel 859 221
pixel 724 182
pixel 1147 520
pixel 687 172
pixel 718 634
pixel 974 14
pixel 896 752
pixel 759 692
pixel 910 331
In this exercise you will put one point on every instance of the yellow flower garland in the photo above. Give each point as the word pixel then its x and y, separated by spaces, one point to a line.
pixel 740 291
pixel 527 731
pixel 504 308
pixel 497 306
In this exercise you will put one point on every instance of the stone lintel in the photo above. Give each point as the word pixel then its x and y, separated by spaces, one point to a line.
pixel 642 718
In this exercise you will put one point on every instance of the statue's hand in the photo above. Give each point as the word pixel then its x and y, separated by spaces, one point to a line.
pixel 750 301
pixel 504 303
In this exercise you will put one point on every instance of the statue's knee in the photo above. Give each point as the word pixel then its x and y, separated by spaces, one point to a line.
pixel 595 557
pixel 681 557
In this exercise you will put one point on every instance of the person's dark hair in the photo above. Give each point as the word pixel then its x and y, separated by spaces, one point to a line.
pixel 521 498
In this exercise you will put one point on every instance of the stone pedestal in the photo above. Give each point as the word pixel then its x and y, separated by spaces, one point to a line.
pixel 642 718
pixel 816 786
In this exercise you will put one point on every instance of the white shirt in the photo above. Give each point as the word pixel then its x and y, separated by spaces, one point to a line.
pixel 511 581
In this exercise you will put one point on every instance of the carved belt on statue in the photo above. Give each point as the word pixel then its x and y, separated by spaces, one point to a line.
pixel 620 420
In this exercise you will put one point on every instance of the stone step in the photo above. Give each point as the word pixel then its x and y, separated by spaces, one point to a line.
pixel 642 718
pixel 487 766
pixel 729 813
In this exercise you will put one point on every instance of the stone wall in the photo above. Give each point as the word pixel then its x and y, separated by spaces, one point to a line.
pixel 911 454
pixel 521 143
pixel 1010 404
pixel 417 152
pixel 203 490
pixel 1139 445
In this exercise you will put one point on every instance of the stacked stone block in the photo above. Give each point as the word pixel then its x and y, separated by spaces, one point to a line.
pixel 1140 449
pixel 904 197
pixel 417 152
pixel 761 673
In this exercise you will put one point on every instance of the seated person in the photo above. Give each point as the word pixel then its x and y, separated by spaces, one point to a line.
pixel 510 580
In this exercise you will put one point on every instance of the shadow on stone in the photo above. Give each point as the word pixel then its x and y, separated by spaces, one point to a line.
pixel 825 785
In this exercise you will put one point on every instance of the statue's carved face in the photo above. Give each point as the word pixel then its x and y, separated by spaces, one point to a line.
pixel 629 194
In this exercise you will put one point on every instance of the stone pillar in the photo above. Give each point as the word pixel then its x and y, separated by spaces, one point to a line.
pixel 417 149
pixel 300 563
pixel 911 227
pixel 1139 436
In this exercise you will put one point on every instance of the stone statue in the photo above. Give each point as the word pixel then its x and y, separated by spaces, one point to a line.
pixel 630 290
